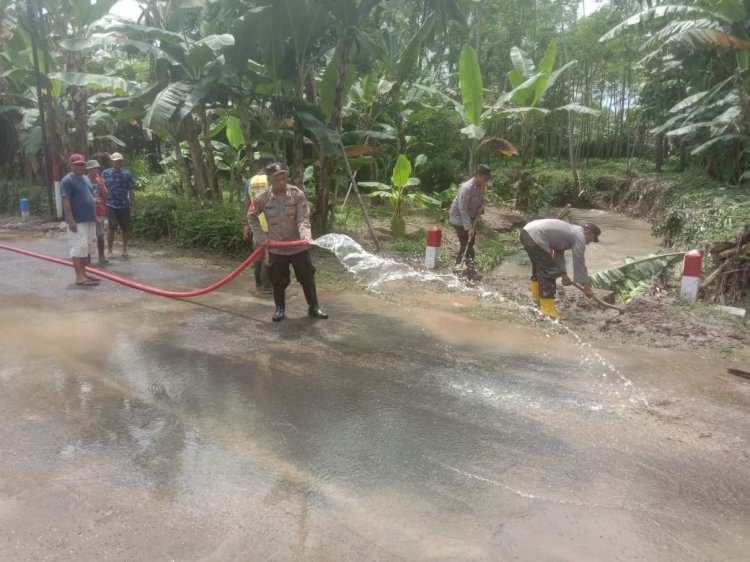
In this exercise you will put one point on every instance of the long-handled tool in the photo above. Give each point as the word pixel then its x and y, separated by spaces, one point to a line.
pixel 600 302
pixel 465 268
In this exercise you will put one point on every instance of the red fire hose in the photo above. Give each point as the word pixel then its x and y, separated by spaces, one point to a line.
pixel 179 294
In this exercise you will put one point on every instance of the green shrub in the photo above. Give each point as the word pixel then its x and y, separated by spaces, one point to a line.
pixel 192 224
pixel 156 217
pixel 211 225
pixel 166 183
pixel 11 192
pixel 699 211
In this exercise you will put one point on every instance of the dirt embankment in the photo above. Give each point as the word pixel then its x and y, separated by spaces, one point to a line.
pixel 633 196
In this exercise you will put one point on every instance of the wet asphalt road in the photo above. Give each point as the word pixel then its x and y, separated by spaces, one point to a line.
pixel 135 427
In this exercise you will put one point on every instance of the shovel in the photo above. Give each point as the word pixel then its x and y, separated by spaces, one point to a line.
pixel 462 267
pixel 600 302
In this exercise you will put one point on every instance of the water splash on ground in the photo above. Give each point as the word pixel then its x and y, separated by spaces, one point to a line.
pixel 375 272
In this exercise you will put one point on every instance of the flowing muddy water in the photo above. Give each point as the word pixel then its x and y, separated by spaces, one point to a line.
pixel 137 427
pixel 621 237
pixel 388 276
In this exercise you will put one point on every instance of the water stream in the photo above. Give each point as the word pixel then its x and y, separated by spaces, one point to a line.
pixel 621 237
pixel 375 271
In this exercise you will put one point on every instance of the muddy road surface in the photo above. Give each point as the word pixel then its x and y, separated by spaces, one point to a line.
pixel 135 427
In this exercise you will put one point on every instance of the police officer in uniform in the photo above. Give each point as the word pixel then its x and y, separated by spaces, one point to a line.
pixel 288 216
pixel 466 208
pixel 545 240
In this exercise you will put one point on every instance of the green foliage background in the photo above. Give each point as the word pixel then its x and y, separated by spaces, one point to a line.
pixel 699 211
pixel 11 192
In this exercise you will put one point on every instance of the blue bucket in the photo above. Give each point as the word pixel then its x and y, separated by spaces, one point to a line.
pixel 25 208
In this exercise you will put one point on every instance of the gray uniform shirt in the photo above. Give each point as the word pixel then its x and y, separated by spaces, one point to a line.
pixel 556 236
pixel 287 215
pixel 468 201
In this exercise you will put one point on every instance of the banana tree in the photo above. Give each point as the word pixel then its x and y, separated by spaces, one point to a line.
pixel 530 85
pixel 289 90
pixel 386 103
pixel 189 73
pixel 65 19
pixel 471 109
pixel 715 109
pixel 232 156
pixel 399 193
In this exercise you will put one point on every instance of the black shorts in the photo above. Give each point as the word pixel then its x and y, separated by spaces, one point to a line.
pixel 119 217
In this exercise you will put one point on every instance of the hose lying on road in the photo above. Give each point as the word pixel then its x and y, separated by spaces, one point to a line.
pixel 161 292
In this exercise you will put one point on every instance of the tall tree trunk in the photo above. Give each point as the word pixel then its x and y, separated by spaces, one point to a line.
pixel 659 138
pixel 183 170
pixel 571 150
pixel 322 170
pixel 571 132
pixel 621 116
pixel 200 181
pixel 307 91
pixel 323 204
pixel 79 101
pixel 297 169
pixel 211 172
pixel 477 29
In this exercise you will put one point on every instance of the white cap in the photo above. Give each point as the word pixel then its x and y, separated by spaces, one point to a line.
pixel 116 156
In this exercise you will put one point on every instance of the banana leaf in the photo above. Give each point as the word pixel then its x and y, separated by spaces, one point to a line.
pixel 472 92
pixel 625 278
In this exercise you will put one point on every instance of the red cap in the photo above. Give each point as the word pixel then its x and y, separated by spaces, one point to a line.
pixel 76 159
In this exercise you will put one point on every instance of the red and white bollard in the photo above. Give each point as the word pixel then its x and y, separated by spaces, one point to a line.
pixel 432 253
pixel 691 275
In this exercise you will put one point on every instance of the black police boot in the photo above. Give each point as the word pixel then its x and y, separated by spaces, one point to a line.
pixel 311 296
pixel 279 298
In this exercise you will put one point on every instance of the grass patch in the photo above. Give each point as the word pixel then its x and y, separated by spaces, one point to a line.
pixel 414 242
pixel 351 218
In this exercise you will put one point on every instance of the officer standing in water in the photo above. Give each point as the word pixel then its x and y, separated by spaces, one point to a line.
pixel 286 210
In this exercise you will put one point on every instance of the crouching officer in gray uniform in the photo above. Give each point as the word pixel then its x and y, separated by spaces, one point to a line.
pixel 545 241
pixel 286 210
pixel 466 208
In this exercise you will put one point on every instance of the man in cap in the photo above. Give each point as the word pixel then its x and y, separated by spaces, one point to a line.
pixel 80 215
pixel 545 241
pixel 100 197
pixel 120 202
pixel 466 208
pixel 288 216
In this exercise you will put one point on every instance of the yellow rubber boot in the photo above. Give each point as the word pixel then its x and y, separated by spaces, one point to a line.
pixel 535 292
pixel 547 307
